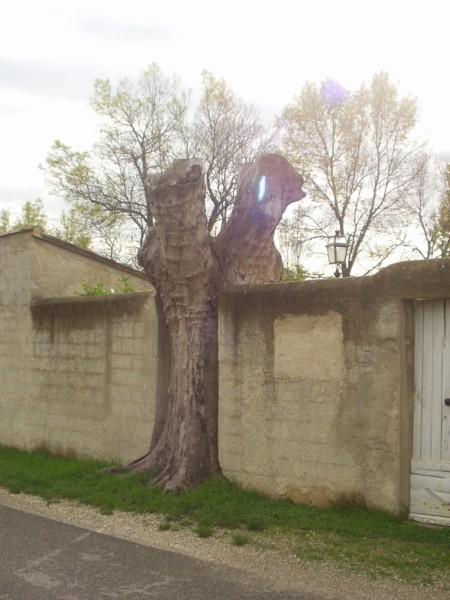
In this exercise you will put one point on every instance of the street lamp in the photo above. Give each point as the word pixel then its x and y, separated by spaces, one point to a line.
pixel 337 251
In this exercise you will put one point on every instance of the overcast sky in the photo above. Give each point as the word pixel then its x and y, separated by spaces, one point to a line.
pixel 51 51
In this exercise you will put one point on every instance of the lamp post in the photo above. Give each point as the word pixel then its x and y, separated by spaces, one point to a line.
pixel 337 251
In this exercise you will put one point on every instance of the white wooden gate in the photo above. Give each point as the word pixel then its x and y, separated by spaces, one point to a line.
pixel 430 466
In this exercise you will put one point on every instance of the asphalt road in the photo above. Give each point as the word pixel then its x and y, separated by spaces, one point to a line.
pixel 42 559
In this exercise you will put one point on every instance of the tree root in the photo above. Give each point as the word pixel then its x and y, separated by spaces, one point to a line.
pixel 142 464
pixel 170 478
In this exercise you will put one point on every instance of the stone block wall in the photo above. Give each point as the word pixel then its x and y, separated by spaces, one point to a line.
pixel 94 366
pixel 77 374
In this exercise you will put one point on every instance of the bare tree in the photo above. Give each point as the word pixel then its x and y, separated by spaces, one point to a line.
pixel 138 136
pixel 291 238
pixel 297 234
pixel 226 133
pixel 188 267
pixel 428 202
pixel 443 221
pixel 91 226
pixel 144 126
pixel 422 202
pixel 358 159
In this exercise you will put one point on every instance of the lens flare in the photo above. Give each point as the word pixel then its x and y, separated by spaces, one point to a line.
pixel 262 188
pixel 332 93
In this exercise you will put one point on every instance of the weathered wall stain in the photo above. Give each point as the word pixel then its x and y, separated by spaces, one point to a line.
pixel 77 374
pixel 316 379
pixel 322 407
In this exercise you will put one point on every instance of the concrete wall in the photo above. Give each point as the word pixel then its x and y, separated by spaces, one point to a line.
pixel 76 374
pixel 94 366
pixel 316 379
pixel 15 329
pixel 316 385
pixel 59 269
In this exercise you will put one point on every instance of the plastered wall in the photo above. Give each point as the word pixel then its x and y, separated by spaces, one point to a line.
pixel 316 385
pixel 76 374
pixel 94 368
pixel 315 379
pixel 16 384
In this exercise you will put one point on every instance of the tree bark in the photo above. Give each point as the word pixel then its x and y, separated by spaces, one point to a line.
pixel 188 269
pixel 246 247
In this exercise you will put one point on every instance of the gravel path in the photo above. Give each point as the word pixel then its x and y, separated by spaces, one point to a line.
pixel 327 581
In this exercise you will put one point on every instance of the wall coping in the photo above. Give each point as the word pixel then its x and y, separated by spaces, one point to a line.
pixel 418 279
pixel 60 300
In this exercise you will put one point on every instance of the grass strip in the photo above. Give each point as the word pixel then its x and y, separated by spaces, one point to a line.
pixel 373 541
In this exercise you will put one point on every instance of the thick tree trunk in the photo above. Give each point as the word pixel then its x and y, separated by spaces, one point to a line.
pixel 188 269
pixel 179 260
pixel 246 247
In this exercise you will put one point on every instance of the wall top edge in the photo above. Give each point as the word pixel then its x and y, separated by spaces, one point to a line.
pixel 37 234
pixel 410 279
pixel 37 301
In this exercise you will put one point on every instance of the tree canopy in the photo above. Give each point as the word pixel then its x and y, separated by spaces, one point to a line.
pixel 356 152
pixel 87 226
pixel 429 205
pixel 31 215
pixel 144 126
pixel 365 174
pixel 443 220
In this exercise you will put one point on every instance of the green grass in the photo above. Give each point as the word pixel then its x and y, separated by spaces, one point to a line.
pixel 356 538
pixel 255 525
pixel 203 531
pixel 421 562
pixel 239 539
